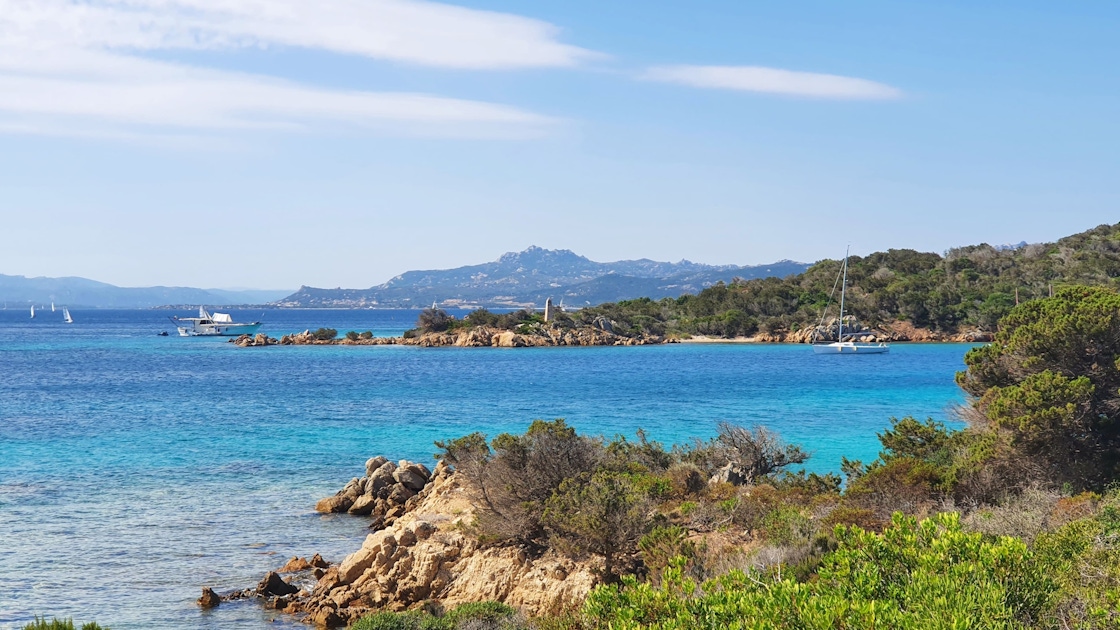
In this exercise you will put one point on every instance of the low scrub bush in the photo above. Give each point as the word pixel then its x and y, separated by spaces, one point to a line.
pixel 470 616
pixel 41 623
pixel 914 575
pixel 324 334
pixel 434 320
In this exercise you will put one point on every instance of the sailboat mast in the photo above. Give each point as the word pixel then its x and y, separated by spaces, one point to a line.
pixel 843 287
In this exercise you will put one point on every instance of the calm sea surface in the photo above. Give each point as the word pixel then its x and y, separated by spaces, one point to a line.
pixel 135 469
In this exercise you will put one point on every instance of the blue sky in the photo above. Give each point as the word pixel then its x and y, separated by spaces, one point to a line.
pixel 273 143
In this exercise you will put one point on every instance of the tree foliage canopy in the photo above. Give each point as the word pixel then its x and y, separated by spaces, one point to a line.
pixel 1050 382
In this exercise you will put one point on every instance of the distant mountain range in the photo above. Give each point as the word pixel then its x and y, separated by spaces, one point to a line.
pixel 528 278
pixel 20 291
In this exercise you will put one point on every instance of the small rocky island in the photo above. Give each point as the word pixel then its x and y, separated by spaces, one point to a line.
pixel 554 327
pixel 481 328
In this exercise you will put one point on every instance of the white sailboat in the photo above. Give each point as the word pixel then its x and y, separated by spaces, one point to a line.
pixel 32 311
pixel 66 316
pixel 848 347
pixel 52 307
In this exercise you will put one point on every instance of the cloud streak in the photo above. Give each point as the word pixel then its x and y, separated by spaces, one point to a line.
pixel 70 64
pixel 773 81
pixel 409 31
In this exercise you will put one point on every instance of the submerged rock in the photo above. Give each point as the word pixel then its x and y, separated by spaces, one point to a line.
pixel 209 598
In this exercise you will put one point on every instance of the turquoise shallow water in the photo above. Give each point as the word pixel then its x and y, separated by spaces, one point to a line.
pixel 134 469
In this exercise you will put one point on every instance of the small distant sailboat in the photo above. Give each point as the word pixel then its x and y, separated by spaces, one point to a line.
pixel 52 307
pixel 66 316
pixel 847 347
pixel 32 311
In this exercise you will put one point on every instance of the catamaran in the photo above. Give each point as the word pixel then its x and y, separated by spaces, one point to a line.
pixel 840 346
pixel 216 325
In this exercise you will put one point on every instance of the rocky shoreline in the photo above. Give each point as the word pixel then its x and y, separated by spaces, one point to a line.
pixel 421 552
pixel 602 335
pixel 478 337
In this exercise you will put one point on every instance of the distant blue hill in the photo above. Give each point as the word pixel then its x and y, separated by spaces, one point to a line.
pixel 529 277
pixel 73 291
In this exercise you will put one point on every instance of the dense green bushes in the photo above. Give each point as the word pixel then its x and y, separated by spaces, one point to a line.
pixel 41 623
pixel 923 575
pixel 553 487
pixel 1050 385
pixel 475 616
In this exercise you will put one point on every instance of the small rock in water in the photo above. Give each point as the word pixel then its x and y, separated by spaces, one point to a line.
pixel 318 562
pixel 272 584
pixel 209 598
pixel 295 564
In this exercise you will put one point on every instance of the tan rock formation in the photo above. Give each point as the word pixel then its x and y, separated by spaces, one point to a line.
pixel 429 553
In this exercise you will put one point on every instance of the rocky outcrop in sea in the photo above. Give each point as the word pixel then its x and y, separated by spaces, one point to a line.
pixel 421 551
pixel 602 333
pixel 479 337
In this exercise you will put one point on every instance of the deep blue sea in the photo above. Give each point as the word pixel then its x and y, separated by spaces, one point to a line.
pixel 135 469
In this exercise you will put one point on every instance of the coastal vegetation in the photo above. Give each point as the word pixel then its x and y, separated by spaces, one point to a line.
pixel 1011 522
pixel 41 623
pixel 968 288
pixel 475 615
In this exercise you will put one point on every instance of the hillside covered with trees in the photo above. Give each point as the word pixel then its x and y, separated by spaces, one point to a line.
pixel 969 288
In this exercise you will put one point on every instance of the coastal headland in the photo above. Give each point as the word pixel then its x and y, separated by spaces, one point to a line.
pixel 422 550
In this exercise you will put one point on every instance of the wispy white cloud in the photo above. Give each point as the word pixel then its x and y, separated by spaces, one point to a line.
pixel 774 81
pixel 69 64
pixel 411 31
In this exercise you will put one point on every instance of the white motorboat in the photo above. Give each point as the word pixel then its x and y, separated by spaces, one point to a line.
pixel 850 346
pixel 215 325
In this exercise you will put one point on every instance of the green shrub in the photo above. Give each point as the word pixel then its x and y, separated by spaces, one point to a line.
pixel 469 614
pixel 325 334
pixel 912 576
pixel 411 620
pixel 662 545
pixel 481 317
pixel 787 525
pixel 1051 380
pixel 604 513
pixel 479 611
pixel 41 623
pixel 368 334
pixel 1086 554
pixel 352 335
pixel 434 320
